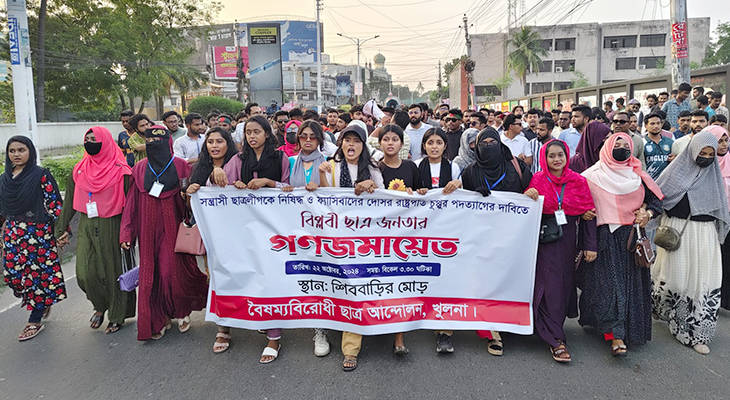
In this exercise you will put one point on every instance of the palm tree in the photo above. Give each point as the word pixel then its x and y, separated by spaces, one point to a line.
pixel 528 49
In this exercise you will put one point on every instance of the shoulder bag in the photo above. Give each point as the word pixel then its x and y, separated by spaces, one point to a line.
pixel 129 279
pixel 668 238
pixel 550 230
pixel 644 255
pixel 188 239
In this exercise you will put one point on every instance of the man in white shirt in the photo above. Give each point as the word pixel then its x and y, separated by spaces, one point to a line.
pixel 190 145
pixel 517 143
pixel 415 130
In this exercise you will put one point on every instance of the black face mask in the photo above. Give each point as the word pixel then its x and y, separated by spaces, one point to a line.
pixel 621 154
pixel 93 148
pixel 704 162
pixel 490 154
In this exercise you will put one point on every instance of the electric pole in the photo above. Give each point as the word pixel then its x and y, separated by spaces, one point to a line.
pixel 319 61
pixel 23 93
pixel 439 85
pixel 240 74
pixel 358 43
pixel 680 42
pixel 469 66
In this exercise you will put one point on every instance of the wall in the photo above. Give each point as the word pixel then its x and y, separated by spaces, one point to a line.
pixel 53 135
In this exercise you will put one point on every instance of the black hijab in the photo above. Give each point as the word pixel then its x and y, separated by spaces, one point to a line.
pixel 493 167
pixel 159 159
pixel 21 198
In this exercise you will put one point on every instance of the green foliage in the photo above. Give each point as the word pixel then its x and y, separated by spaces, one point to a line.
pixel 526 54
pixel 61 168
pixel 203 105
pixel 580 80
pixel 719 51
pixel 97 115
pixel 449 67
pixel 503 82
pixel 7 103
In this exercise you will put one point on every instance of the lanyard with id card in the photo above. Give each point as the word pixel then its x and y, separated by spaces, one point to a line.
pixel 91 210
pixel 560 213
pixel 157 187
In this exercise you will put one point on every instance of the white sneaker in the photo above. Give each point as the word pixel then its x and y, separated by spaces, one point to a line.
pixel 321 345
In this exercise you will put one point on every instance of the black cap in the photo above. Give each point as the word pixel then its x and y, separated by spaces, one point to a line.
pixel 356 130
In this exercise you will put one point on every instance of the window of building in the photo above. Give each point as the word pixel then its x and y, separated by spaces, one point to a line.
pixel 564 65
pixel 541 87
pixel 618 42
pixel 547 44
pixel 626 63
pixel 565 44
pixel 546 66
pixel 652 40
pixel 562 85
pixel 487 90
pixel 651 62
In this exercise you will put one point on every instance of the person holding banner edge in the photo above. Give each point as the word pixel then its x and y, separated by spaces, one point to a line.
pixel 170 284
pixel 616 293
pixel 495 168
pixel 260 164
pixel 351 161
pixel 567 198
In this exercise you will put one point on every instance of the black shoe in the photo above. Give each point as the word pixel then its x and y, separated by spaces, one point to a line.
pixel 444 344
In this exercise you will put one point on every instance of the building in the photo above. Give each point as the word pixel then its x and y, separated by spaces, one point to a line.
pixel 599 53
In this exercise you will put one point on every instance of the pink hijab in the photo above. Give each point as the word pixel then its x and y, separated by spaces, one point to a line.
pixel 617 185
pixel 102 175
pixel 724 161
pixel 290 149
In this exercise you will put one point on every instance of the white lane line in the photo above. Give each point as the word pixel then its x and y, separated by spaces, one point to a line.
pixel 17 302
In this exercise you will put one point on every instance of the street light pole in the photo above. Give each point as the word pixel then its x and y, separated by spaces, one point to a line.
pixel 358 43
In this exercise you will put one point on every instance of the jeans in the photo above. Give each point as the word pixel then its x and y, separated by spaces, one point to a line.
pixel 35 316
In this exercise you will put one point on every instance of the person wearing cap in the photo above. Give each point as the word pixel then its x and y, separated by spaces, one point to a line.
pixel 273 107
pixel 170 284
pixel 634 106
pixel 189 146
pixel 351 167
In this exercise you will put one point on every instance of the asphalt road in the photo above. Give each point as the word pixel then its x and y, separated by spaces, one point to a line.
pixel 68 360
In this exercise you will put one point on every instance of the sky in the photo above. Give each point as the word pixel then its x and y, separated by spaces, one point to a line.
pixel 416 34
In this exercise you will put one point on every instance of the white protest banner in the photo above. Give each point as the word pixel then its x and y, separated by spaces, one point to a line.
pixel 371 264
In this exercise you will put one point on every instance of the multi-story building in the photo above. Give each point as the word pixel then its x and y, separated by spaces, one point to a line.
pixel 598 53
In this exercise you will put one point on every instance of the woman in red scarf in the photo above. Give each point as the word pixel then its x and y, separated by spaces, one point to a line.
pixel 616 293
pixel 567 198
pixel 291 143
pixel 96 189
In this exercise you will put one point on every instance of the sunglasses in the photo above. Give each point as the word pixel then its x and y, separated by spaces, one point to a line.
pixel 563 119
pixel 620 121
pixel 305 136
pixel 473 123
pixel 450 119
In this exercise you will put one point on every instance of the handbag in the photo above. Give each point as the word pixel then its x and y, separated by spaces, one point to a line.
pixel 668 238
pixel 550 230
pixel 644 255
pixel 188 239
pixel 129 279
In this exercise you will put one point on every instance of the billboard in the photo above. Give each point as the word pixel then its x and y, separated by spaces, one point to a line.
pixel 264 53
pixel 224 62
pixel 298 39
pixel 343 86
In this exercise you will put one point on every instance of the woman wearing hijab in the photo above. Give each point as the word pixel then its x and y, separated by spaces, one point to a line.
pixel 30 204
pixel 687 280
pixel 723 143
pixel 170 284
pixel 589 146
pixel 495 168
pixel 616 293
pixel 567 198
pixel 291 142
pixel 96 190
pixel 467 154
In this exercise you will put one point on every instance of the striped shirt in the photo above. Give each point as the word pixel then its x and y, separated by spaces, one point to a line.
pixel 535 145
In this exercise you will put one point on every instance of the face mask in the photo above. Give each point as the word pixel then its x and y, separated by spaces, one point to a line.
pixel 291 135
pixel 704 162
pixel 621 154
pixel 490 154
pixel 93 148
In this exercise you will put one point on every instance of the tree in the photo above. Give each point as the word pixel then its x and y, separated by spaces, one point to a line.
pixel 502 83
pixel 579 81
pixel 449 67
pixel 526 54
pixel 719 51
pixel 40 100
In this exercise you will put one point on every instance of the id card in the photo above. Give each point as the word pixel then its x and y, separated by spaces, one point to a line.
pixel 560 217
pixel 156 189
pixel 91 210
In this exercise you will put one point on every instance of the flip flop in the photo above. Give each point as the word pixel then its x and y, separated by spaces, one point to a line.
pixel 38 328
pixel 619 350
pixel 268 351
pixel 220 347
pixel 113 328
pixel 400 350
pixel 96 321
pixel 558 351
pixel 181 321
pixel 351 360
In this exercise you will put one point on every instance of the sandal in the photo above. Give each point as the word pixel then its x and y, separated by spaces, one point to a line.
pixel 560 353
pixel 183 324
pixel 349 363
pixel 220 347
pixel 96 321
pixel 269 352
pixel 113 328
pixel 619 350
pixel 46 312
pixel 30 331
pixel 400 350
pixel 160 334
pixel 495 347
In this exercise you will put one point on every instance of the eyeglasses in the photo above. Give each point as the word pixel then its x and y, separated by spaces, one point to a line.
pixel 563 119
pixel 620 121
pixel 473 123
pixel 450 119
pixel 305 137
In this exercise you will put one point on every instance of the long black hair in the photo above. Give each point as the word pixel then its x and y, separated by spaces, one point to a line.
pixel 440 133
pixel 270 144
pixel 364 162
pixel 203 168
pixel 316 128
